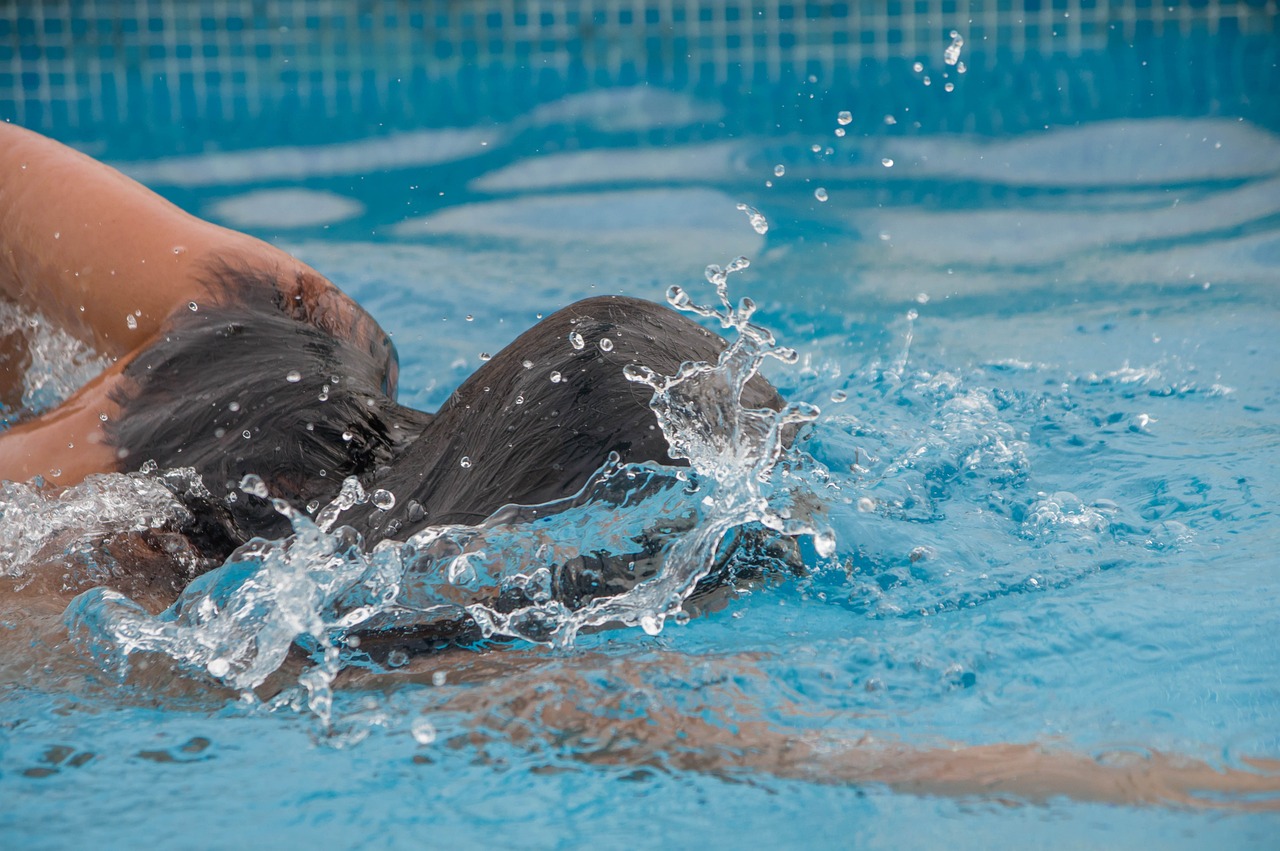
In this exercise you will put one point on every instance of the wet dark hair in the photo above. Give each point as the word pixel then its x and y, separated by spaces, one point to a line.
pixel 318 406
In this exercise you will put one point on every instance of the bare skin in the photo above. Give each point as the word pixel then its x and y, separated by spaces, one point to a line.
pixel 87 247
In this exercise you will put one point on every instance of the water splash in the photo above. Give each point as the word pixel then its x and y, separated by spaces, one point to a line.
pixel 629 549
pixel 58 363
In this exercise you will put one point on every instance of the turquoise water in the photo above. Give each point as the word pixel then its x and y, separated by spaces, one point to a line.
pixel 1047 369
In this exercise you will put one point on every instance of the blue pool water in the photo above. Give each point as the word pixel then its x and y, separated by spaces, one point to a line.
pixel 1048 368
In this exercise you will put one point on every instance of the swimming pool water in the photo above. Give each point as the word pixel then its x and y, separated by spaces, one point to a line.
pixel 1047 364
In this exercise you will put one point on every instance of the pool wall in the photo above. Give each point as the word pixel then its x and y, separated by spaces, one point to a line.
pixel 105 73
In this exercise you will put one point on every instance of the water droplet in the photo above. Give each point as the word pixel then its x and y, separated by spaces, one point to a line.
pixel 817 149
pixel 960 69
pixel 246 434
pixel 677 297
pixel 484 356
pixel 293 377
pixel 397 658
pixel 383 500
pixel 886 162
pixel 439 678
pixel 470 318
pixel 313 506
pixel 192 306
pixel 840 131
pixel 465 463
pixel 520 399
pixel 57 234
pixel 233 407
pixel 922 298
pixel 890 120
pixel 254 485
pixel 346 436
pixel 824 543
pixel 606 345
pixel 779 170
pixel 820 194
pixel 555 377
pixel 424 733
pixel 839 396
pixel 951 87
pixel 575 340
pixel 952 54
pixel 527 364
pixel 219 667
pixel 55 472
pixel 927 80
pixel 866 504
pixel 757 219
pixel 917 67
pixel 179 249
pixel 102 417
pixel 844 116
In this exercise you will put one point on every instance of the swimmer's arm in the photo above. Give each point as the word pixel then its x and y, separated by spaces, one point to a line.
pixel 585 708
pixel 87 247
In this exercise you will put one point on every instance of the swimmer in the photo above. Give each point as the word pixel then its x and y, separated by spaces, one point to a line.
pixel 233 357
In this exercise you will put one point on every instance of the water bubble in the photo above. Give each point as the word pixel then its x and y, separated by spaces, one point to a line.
pixel 927 80
pixel 439 678
pixel 555 376
pixel 951 87
pixel 952 54
pixel 528 364
pixel 820 194
pixel 922 298
pixel 840 131
pixel 383 500
pixel 397 658
pixel 824 543
pixel 313 506
pixel 917 67
pixel 520 399
pixel 245 434
pixel 132 322
pixel 757 219
pixel 817 149
pixel 233 407
pixel 960 69
pixel 254 485
pixel 423 731
pixel 844 116
pixel 465 463
pixel 575 340
pixel 192 306
pixel 779 170
pixel 293 376
pixel 484 356
pixel 606 345
pixel 886 162
pixel 839 396
pixel 866 504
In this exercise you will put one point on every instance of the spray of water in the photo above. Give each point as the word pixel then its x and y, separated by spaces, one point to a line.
pixel 629 549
